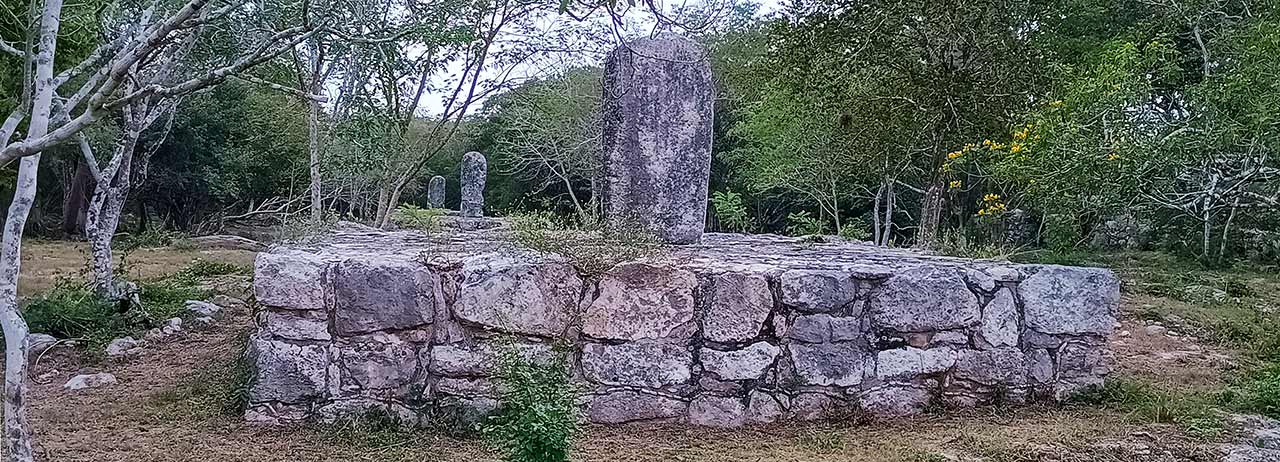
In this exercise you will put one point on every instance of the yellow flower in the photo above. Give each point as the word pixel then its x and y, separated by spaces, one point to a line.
pixel 956 184
pixel 1056 103
pixel 991 198
pixel 1015 148
pixel 1020 135
pixel 953 155
pixel 982 212
pixel 1113 156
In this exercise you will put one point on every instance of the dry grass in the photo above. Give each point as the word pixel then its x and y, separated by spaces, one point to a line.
pixel 149 415
pixel 44 262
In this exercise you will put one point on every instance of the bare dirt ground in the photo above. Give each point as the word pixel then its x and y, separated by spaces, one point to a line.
pixel 151 414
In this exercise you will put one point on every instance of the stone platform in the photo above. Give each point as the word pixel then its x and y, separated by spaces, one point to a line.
pixel 735 330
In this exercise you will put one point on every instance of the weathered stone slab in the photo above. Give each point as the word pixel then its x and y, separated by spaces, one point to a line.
pixel 435 192
pixel 639 300
pixel 895 400
pixel 925 298
pixel 296 325
pixel 466 386
pixel 817 291
pixel 372 294
pixel 517 297
pixel 815 406
pixel 749 363
pixel 1070 300
pixel 717 411
pixel 765 408
pixel 738 304
pixel 657 114
pixel 1001 366
pixel 1000 320
pixel 480 359
pixel 645 363
pixel 830 364
pixel 385 364
pixel 288 373
pixel 814 328
pixel 475 169
pixel 905 363
pixel 630 406
pixel 290 280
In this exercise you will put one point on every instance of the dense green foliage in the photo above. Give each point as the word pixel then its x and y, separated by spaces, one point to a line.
pixel 900 122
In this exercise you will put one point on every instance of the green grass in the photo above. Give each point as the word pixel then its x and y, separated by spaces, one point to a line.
pixel 73 310
pixel 1257 391
pixel 1145 403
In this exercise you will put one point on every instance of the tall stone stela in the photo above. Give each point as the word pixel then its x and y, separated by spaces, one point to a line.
pixel 658 105
pixel 435 192
pixel 474 170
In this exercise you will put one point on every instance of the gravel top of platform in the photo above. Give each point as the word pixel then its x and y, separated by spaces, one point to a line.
pixel 461 239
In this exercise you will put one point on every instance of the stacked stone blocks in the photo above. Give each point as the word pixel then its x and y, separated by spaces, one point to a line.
pixel 699 342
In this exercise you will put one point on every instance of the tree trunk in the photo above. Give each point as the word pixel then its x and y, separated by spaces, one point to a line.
pixel 76 201
pixel 930 214
pixel 875 216
pixel 889 201
pixel 16 429
pixel 313 146
pixel 104 212
pixel 17 432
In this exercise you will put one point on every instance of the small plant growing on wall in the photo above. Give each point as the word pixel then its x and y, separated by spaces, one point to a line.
pixel 409 216
pixel 538 419
pixel 590 244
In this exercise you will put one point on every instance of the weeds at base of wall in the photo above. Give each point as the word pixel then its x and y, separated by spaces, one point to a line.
pixel 1194 413
pixel 538 417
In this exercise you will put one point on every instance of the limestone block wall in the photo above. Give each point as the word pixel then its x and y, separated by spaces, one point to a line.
pixel 737 331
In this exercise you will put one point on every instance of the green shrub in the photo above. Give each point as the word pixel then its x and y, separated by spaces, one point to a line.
pixel 166 298
pixel 731 211
pixel 804 224
pixel 73 310
pixel 1061 232
pixel 202 268
pixel 538 419
pixel 592 246
pixel 855 230
pixel 409 216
